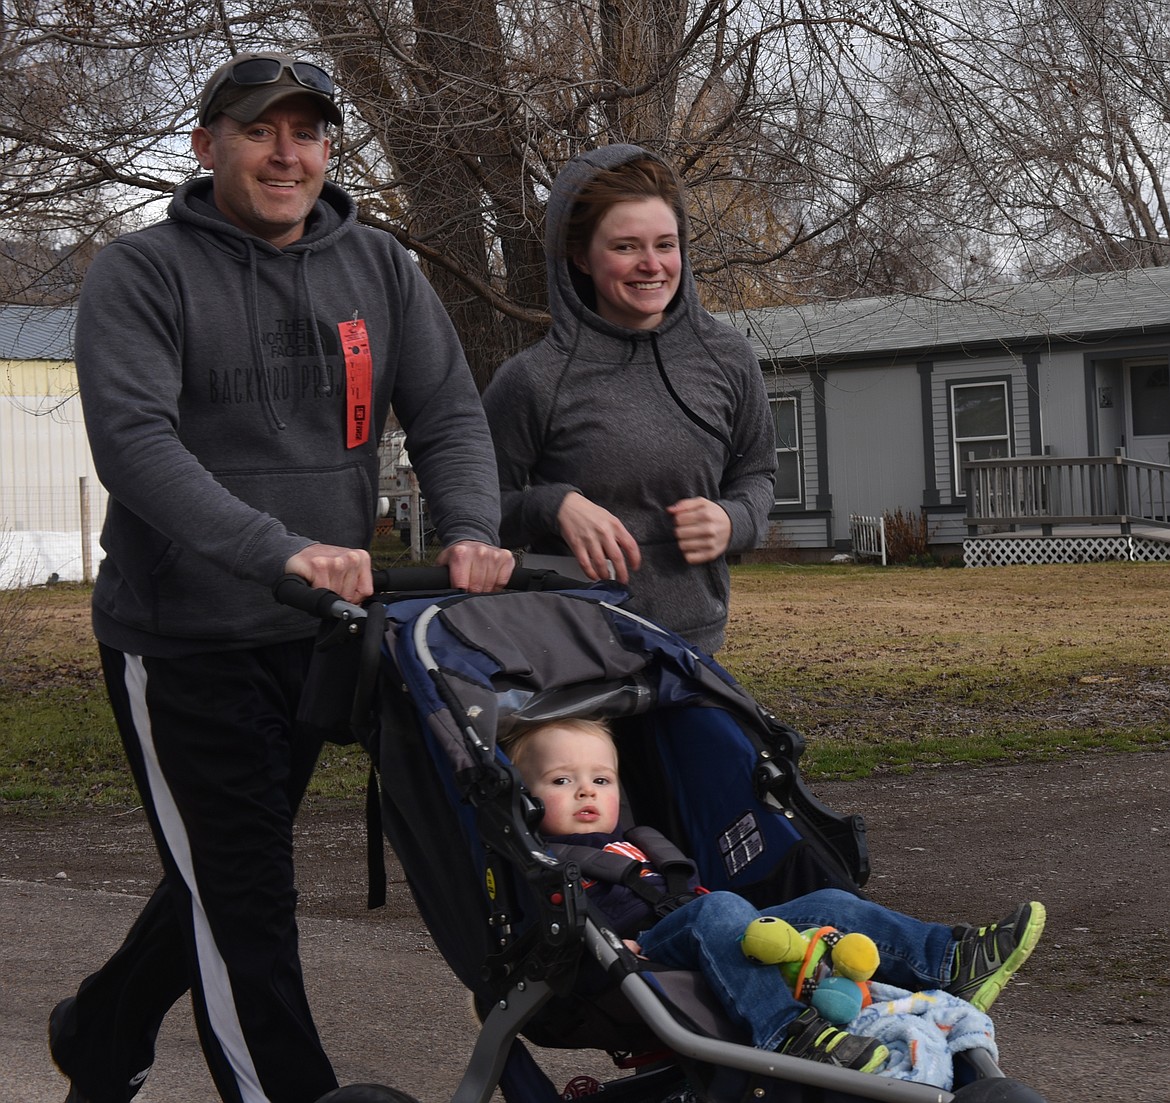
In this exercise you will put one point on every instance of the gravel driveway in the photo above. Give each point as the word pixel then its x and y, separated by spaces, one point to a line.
pixel 1086 1019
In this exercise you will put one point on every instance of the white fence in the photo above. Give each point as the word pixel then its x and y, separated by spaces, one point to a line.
pixel 67 550
pixel 868 537
pixel 52 504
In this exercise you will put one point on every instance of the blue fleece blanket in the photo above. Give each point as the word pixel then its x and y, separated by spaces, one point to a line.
pixel 923 1031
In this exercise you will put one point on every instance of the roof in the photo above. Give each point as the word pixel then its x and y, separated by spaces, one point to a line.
pixel 1076 309
pixel 36 332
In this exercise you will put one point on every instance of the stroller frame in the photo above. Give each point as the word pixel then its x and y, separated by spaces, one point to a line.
pixel 508 1017
pixel 539 930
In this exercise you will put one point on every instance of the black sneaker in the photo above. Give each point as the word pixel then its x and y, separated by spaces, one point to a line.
pixel 62 1037
pixel 986 957
pixel 816 1039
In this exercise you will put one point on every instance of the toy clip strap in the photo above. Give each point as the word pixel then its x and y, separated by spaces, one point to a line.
pixel 812 958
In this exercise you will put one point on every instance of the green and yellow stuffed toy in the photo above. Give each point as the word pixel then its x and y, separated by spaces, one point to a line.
pixel 825 969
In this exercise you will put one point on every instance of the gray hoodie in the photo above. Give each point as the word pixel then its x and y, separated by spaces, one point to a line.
pixel 588 408
pixel 214 385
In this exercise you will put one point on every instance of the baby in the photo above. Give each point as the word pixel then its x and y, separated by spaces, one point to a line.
pixel 571 766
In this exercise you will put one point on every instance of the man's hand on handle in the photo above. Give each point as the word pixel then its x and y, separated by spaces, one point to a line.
pixel 473 566
pixel 345 571
pixel 476 567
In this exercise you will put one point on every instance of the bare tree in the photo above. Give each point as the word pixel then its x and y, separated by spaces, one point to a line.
pixel 832 148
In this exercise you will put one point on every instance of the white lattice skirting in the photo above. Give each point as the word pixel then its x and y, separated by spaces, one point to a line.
pixel 987 551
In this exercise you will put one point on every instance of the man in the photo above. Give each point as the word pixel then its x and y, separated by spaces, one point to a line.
pixel 237 363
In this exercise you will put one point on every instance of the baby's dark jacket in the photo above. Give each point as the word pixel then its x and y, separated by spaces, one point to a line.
pixel 627 912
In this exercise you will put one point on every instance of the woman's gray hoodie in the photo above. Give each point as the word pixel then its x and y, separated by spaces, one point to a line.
pixel 214 385
pixel 588 408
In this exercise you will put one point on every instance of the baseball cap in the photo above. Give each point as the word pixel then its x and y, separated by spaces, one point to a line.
pixel 247 85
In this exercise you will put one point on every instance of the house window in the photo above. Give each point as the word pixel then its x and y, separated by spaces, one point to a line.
pixel 785 417
pixel 1149 386
pixel 979 424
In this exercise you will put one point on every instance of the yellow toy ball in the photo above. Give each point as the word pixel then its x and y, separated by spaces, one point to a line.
pixel 855 956
pixel 769 940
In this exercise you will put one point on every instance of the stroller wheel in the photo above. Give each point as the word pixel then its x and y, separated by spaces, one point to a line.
pixel 366 1093
pixel 998 1089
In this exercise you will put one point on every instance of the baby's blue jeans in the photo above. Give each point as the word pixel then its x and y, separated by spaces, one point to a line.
pixel 704 935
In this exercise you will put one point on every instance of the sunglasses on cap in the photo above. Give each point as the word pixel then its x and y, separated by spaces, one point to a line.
pixel 266 70
pixel 256 72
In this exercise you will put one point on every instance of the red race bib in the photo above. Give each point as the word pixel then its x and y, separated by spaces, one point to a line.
pixel 359 381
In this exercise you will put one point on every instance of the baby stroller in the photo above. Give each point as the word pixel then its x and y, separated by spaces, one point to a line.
pixel 440 677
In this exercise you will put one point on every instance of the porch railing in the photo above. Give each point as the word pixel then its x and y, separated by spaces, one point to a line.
pixel 1045 491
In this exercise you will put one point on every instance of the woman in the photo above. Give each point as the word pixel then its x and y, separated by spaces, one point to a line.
pixel 636 435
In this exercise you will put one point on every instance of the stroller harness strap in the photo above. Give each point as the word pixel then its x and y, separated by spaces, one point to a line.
pixel 675 886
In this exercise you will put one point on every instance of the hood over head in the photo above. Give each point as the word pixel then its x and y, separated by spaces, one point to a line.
pixel 570 291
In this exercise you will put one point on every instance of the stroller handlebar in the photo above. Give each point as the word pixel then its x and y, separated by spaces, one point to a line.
pixel 395 579
pixel 294 591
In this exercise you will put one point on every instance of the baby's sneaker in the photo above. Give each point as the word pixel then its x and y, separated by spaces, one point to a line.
pixel 986 957
pixel 817 1039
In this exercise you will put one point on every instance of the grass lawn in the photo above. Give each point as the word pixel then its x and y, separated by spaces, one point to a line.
pixel 886 668
pixel 881 669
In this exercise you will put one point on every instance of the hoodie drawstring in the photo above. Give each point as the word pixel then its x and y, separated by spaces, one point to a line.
pixel 701 422
pixel 257 349
pixel 318 347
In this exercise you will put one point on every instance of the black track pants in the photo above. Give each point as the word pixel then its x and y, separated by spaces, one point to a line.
pixel 221 767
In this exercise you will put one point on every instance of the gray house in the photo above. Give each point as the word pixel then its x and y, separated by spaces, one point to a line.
pixel 1058 390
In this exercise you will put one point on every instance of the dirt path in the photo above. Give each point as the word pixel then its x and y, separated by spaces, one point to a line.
pixel 1090 837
